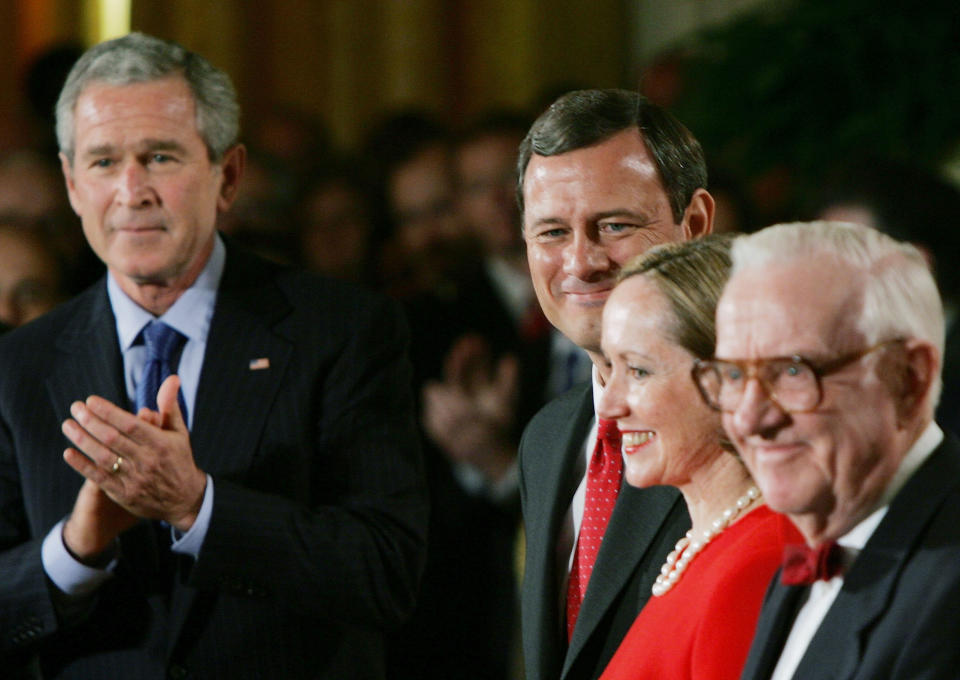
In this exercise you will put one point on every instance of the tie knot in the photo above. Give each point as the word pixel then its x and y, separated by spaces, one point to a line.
pixel 608 432
pixel 803 565
pixel 161 340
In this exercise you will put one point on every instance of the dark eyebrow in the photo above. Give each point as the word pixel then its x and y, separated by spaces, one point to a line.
pixel 549 220
pixel 606 214
pixel 101 150
pixel 622 212
pixel 147 146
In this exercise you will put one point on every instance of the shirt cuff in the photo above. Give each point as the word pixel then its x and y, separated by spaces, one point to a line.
pixel 191 542
pixel 67 573
pixel 476 483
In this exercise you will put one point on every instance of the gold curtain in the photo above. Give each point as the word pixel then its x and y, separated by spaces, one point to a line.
pixel 353 61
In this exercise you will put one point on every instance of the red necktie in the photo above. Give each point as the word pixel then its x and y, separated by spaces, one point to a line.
pixel 603 484
pixel 534 324
pixel 802 565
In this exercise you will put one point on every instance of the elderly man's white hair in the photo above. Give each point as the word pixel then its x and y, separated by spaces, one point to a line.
pixel 900 296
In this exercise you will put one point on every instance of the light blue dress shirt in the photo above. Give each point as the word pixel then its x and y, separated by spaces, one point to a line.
pixel 190 315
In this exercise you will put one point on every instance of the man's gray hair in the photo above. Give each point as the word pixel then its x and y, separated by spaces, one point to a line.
pixel 900 296
pixel 139 58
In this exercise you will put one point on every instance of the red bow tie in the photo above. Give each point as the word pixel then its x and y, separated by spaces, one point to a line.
pixel 802 566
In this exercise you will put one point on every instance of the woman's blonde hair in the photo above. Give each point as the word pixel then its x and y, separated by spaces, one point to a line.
pixel 691 276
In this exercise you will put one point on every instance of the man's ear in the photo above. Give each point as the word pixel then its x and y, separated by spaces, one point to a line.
pixel 67 168
pixel 698 217
pixel 231 168
pixel 919 371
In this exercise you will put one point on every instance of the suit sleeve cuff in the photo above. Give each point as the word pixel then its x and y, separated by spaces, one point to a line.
pixel 191 542
pixel 65 571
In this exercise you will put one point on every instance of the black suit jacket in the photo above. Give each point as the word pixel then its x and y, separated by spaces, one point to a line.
pixel 645 525
pixel 316 540
pixel 898 612
pixel 460 630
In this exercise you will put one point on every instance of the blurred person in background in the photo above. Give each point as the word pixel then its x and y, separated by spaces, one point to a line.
pixel 261 219
pixel 494 377
pixel 33 197
pixel 31 275
pixel 338 228
pixel 293 137
pixel 909 204
pixel 430 249
pixel 42 82
pixel 31 186
pixel 460 628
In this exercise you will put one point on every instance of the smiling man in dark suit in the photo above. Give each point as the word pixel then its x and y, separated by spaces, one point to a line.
pixel 263 513
pixel 829 338
pixel 603 176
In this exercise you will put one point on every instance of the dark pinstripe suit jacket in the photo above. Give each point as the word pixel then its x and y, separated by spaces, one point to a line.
pixel 645 525
pixel 316 539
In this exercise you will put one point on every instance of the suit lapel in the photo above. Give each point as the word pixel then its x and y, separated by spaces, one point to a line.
pixel 552 487
pixel 780 607
pixel 868 587
pixel 634 524
pixel 243 368
pixel 860 602
pixel 90 361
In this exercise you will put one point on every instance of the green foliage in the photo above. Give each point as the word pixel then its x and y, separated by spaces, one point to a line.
pixel 826 79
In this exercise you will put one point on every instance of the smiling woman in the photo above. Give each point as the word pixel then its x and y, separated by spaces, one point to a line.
pixel 657 322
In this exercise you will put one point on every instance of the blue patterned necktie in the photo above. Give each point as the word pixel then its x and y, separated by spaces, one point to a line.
pixel 163 344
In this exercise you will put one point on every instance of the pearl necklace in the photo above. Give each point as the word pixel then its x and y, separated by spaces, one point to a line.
pixel 687 548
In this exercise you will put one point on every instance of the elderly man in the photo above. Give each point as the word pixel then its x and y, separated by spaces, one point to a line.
pixel 262 514
pixel 829 339
pixel 603 176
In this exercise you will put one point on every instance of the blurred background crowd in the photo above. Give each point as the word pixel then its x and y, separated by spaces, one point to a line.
pixel 381 133
pixel 383 138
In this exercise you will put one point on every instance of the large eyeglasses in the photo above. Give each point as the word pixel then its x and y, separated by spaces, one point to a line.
pixel 793 383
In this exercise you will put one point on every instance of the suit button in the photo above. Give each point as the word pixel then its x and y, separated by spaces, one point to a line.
pixel 177 672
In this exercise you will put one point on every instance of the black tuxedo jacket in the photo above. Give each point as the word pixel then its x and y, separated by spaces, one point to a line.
pixel 645 525
pixel 315 544
pixel 898 612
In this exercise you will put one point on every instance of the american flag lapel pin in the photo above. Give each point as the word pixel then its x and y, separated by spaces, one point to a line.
pixel 259 364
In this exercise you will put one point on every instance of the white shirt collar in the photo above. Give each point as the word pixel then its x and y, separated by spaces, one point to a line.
pixel 858 536
pixel 190 314
pixel 597 387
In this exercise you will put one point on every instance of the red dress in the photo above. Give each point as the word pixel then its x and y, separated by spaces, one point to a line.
pixel 701 629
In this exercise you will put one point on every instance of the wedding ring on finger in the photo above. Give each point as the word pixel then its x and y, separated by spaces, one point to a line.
pixel 117 464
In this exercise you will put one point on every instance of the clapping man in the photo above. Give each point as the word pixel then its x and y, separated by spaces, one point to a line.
pixel 262 515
